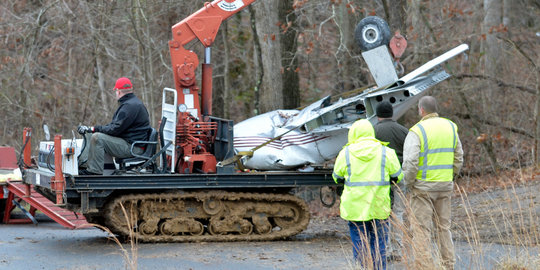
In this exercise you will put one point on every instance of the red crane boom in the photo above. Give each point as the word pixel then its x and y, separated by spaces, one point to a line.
pixel 194 129
pixel 203 25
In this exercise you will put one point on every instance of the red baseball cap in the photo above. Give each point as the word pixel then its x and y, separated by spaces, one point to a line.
pixel 123 83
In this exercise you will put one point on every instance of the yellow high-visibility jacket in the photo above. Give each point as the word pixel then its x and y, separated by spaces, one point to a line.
pixel 438 140
pixel 365 165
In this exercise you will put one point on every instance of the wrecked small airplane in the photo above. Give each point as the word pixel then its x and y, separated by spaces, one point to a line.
pixel 296 139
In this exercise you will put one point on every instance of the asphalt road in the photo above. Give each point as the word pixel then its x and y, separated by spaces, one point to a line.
pixel 50 246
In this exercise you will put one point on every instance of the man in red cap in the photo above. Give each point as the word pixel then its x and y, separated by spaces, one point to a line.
pixel 130 123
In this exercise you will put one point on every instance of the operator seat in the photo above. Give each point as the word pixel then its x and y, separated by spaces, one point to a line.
pixel 136 161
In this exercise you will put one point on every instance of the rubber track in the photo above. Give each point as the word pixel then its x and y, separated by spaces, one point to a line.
pixel 201 196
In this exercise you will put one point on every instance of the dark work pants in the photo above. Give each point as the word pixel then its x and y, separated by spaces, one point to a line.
pixel 369 242
pixel 97 144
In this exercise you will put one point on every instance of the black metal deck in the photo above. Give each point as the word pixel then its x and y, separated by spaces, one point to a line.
pixel 200 181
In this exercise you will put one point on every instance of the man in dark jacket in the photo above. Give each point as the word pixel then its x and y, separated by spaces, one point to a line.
pixel 388 130
pixel 130 123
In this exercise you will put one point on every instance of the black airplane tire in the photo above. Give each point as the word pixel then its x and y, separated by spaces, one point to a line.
pixel 372 32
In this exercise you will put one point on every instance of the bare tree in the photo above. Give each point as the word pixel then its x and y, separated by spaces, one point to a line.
pixel 418 25
pixel 266 20
pixel 221 94
pixel 492 19
pixel 396 13
pixel 345 24
pixel 289 59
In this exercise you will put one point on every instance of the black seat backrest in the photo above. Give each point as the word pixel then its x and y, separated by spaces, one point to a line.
pixel 161 128
pixel 150 149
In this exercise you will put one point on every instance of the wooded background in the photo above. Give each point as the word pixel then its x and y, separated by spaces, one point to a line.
pixel 59 61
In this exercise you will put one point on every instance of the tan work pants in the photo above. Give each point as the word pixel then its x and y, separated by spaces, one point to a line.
pixel 396 225
pixel 428 208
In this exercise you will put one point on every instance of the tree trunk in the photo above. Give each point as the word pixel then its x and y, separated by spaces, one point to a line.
pixel 257 62
pixel 150 76
pixel 345 65
pixel 491 47
pixel 271 91
pixel 508 11
pixel 417 25
pixel 492 18
pixel 139 25
pixel 395 15
pixel 101 82
pixel 221 79
pixel 289 61
pixel 536 149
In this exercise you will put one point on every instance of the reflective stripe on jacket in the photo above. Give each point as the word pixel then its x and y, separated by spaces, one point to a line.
pixel 365 165
pixel 438 140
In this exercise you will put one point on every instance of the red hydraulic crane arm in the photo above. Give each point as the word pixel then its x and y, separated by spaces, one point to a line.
pixel 203 25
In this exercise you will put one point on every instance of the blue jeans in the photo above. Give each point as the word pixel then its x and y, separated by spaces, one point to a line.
pixel 369 242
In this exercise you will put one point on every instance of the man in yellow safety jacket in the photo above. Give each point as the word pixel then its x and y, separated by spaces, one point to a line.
pixel 432 155
pixel 366 167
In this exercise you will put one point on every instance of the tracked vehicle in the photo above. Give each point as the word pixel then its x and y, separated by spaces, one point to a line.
pixel 194 186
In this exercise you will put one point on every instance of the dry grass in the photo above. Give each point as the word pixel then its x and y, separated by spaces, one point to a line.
pixel 130 254
pixel 495 220
pixel 507 213
pixel 503 210
pixel 517 264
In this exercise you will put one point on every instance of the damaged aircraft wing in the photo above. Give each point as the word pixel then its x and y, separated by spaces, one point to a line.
pixel 289 139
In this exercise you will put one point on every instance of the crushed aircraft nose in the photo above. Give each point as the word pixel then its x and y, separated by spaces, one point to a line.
pixel 287 145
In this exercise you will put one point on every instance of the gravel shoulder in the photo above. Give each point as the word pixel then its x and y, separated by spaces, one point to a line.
pixel 506 215
pixel 505 212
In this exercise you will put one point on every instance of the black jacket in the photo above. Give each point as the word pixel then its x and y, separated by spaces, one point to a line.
pixel 130 121
pixel 390 131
